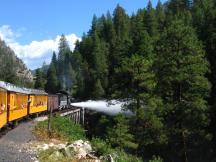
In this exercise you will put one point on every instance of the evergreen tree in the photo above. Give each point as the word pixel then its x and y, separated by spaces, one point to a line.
pixel 54 60
pixel 39 80
pixel 177 6
pixel 119 134
pixel 64 65
pixel 52 81
pixel 98 91
pixel 121 42
pixel 150 20
pixel 9 74
pixel 183 87
pixel 100 66
pixel 121 23
pixel 78 66
pixel 204 16
pixel 136 83
pixel 160 16
pixel 63 48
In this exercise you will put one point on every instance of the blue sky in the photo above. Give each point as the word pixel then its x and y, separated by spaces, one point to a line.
pixel 25 24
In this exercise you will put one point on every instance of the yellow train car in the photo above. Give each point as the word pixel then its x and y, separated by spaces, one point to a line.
pixel 16 101
pixel 17 105
pixel 38 101
pixel 3 107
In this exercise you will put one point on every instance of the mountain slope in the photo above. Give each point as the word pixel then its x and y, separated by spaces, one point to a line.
pixel 12 69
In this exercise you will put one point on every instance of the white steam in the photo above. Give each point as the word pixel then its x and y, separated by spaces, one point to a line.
pixel 110 108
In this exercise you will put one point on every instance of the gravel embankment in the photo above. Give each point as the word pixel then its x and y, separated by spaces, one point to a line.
pixel 15 146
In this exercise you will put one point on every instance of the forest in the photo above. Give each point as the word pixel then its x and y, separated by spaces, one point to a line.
pixel 160 60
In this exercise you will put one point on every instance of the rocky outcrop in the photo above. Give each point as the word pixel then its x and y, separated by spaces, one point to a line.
pixel 79 150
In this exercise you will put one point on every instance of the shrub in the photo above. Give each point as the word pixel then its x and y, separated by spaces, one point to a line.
pixel 156 159
pixel 104 148
pixel 61 128
pixel 101 147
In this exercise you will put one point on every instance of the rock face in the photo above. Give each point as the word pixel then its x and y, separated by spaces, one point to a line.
pixel 9 61
pixel 81 148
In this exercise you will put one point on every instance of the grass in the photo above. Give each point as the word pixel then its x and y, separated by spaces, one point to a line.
pixel 47 156
pixel 61 128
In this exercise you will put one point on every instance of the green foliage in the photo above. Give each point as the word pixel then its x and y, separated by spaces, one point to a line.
pixel 182 84
pixel 156 159
pixel 52 81
pixel 39 84
pixel 101 146
pixel 150 20
pixel 124 157
pixel 104 148
pixel 62 128
pixel 119 135
pixel 98 90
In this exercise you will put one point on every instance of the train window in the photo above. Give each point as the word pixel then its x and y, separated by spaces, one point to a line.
pixel 3 98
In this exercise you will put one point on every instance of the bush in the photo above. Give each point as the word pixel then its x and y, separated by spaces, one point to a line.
pixel 122 156
pixel 104 148
pixel 156 159
pixel 61 128
pixel 101 147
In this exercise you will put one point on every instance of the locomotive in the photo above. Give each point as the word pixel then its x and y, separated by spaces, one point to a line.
pixel 17 102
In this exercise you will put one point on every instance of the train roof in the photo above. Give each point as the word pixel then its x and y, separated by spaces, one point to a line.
pixel 13 88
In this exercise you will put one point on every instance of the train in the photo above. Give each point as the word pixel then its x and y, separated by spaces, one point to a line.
pixel 18 102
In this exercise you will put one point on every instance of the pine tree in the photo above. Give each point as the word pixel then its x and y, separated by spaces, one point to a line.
pixel 9 74
pixel 52 81
pixel 63 48
pixel 100 66
pixel 121 23
pixel 39 80
pixel 98 91
pixel 160 16
pixel 121 42
pixel 119 134
pixel 54 60
pixel 140 37
pixel 177 6
pixel 78 66
pixel 183 87
pixel 136 83
pixel 204 16
pixel 64 67
pixel 150 21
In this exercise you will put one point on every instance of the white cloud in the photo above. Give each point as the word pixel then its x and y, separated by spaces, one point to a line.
pixel 36 52
pixel 7 34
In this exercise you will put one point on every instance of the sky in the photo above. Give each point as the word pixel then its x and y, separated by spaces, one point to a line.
pixel 32 28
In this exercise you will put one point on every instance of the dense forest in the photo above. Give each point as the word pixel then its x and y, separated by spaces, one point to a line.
pixel 162 61
pixel 13 70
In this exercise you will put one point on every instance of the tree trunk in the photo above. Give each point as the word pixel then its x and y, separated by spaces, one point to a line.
pixel 184 147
